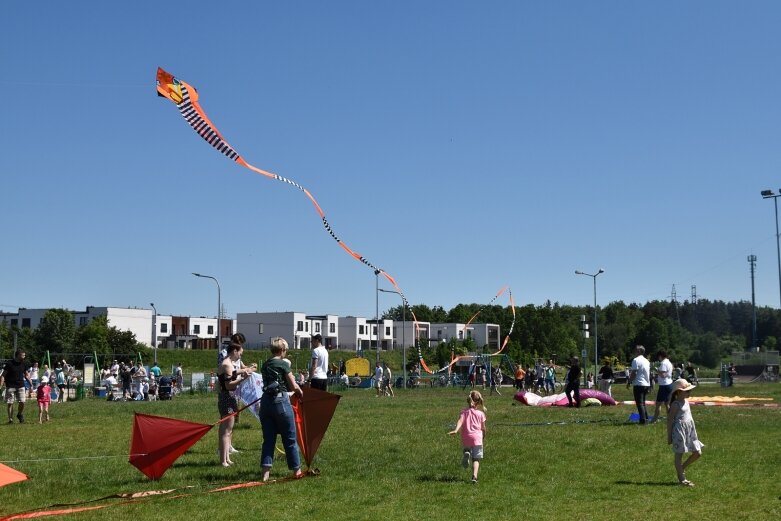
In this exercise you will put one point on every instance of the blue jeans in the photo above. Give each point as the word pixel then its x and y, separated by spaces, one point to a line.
pixel 276 417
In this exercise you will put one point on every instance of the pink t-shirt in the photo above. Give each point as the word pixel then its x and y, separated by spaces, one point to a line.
pixel 43 394
pixel 472 427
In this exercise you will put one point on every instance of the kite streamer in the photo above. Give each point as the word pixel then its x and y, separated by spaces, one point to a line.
pixel 185 97
pixel 512 325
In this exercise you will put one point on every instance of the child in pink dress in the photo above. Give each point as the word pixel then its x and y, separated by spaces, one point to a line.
pixel 471 424
pixel 43 395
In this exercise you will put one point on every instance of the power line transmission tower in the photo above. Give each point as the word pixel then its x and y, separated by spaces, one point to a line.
pixel 752 260
pixel 674 300
pixel 694 294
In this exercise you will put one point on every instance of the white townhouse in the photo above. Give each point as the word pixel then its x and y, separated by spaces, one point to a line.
pixel 296 327
pixel 482 334
pixel 404 333
pixel 354 333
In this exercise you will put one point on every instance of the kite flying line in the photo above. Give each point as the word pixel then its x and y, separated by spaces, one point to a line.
pixel 185 97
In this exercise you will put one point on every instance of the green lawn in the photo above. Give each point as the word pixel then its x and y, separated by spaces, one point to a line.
pixel 390 458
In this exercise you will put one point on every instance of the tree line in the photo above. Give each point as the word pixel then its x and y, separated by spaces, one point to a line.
pixel 705 332
pixel 57 333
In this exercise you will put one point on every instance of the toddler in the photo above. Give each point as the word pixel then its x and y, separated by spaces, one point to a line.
pixel 681 432
pixel 471 424
pixel 43 395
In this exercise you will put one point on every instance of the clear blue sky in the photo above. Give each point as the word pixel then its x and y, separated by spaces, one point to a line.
pixel 460 146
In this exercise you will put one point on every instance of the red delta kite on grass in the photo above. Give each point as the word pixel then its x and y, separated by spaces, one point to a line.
pixel 158 442
pixel 9 475
pixel 313 414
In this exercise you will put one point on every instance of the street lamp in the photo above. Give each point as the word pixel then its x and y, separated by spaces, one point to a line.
pixel 596 336
pixel 217 346
pixel 154 329
pixel 403 336
pixel 376 314
pixel 768 194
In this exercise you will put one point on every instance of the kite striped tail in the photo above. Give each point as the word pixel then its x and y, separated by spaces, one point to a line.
pixel 185 97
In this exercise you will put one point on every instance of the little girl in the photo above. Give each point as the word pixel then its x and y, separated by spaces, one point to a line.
pixel 681 432
pixel 43 395
pixel 472 420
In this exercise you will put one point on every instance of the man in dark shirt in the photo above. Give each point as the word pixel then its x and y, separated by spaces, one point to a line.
pixel 573 383
pixel 13 375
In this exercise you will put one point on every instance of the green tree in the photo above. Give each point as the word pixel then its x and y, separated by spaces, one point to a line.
pixel 56 332
pixel 93 336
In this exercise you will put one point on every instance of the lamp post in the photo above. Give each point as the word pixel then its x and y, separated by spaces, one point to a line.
pixel 596 336
pixel 768 194
pixel 217 346
pixel 154 329
pixel 376 314
pixel 403 336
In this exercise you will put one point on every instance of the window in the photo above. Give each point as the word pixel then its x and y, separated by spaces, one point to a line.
pixel 387 331
pixel 374 330
pixel 14 322
pixel 260 329
pixel 197 330
pixel 83 321
pixel 164 328
pixel 209 330
pixel 317 327
pixel 306 326
pixel 360 330
pixel 26 322
pixel 461 335
pixel 300 326
pixel 439 333
pixel 332 328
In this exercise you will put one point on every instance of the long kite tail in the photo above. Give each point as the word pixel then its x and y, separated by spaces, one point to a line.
pixel 185 97
pixel 512 325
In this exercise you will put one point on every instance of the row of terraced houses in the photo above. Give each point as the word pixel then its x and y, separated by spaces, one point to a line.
pixel 344 333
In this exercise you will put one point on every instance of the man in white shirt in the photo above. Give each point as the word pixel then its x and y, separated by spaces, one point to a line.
pixel 640 379
pixel 318 367
pixel 664 379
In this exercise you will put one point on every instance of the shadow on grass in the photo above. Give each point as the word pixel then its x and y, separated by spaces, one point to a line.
pixel 439 479
pixel 648 483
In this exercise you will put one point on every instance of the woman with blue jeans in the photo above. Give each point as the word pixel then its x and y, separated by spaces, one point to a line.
pixel 276 413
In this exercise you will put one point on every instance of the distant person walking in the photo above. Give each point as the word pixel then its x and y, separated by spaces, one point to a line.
pixel 681 432
pixel 572 390
pixel 664 380
pixel 14 374
pixel 471 424
pixel 606 378
pixel 318 367
pixel 640 379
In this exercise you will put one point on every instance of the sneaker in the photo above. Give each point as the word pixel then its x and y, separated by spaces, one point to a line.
pixel 21 418
pixel 686 483
pixel 232 450
pixel 465 459
pixel 474 481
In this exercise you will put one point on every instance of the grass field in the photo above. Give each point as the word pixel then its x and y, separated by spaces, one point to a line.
pixel 390 458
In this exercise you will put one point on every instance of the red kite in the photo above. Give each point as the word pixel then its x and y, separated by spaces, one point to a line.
pixel 9 475
pixel 158 442
pixel 313 414
pixel 185 97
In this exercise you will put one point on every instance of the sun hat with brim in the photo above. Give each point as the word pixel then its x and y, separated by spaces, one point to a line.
pixel 682 385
